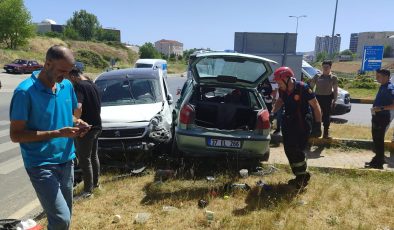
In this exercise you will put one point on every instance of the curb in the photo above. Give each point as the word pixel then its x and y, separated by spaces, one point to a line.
pixel 358 143
pixel 361 101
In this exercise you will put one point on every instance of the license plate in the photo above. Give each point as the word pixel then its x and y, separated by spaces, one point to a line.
pixel 223 143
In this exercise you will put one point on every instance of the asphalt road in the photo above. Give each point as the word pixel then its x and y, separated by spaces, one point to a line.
pixel 17 197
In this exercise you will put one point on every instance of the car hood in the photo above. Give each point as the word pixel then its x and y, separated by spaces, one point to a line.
pixel 231 69
pixel 129 113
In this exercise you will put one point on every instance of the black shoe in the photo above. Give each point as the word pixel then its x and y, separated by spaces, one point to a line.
pixel 325 134
pixel 301 181
pixel 373 165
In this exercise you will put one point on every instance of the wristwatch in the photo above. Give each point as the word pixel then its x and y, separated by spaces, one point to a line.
pixel 381 108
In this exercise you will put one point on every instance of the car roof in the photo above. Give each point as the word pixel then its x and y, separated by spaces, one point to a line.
pixel 150 61
pixel 136 73
pixel 208 54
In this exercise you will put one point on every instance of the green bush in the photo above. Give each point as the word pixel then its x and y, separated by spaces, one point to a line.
pixel 90 58
pixel 364 82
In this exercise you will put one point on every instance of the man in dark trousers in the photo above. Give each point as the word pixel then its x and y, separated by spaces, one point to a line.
pixel 381 116
pixel 326 93
pixel 297 123
pixel 89 108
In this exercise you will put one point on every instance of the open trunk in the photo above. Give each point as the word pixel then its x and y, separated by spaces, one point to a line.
pixel 225 108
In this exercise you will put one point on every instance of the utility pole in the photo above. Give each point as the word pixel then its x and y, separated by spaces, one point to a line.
pixel 333 30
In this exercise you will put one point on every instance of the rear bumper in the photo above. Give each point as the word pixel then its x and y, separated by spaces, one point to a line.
pixel 341 109
pixel 195 144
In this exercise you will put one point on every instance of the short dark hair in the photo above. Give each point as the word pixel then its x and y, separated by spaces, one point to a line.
pixel 327 62
pixel 75 72
pixel 384 72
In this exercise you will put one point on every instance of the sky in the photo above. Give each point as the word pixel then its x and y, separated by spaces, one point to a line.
pixel 212 23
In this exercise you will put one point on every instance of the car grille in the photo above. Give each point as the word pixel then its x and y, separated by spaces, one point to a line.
pixel 114 133
pixel 347 99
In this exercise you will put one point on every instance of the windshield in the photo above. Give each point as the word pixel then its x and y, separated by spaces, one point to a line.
pixel 129 91
pixel 311 71
pixel 19 61
pixel 246 70
pixel 143 65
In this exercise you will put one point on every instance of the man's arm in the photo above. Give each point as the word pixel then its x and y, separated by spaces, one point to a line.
pixel 78 111
pixel 278 104
pixel 19 134
pixel 316 109
pixel 382 108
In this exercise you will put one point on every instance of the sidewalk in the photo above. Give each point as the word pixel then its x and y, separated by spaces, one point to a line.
pixel 320 156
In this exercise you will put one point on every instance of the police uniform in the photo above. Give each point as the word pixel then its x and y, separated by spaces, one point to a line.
pixel 381 120
pixel 297 125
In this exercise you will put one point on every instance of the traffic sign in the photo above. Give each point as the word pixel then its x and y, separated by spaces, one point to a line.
pixel 372 58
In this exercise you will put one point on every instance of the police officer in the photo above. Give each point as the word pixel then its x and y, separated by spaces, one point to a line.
pixel 297 123
pixel 326 93
pixel 381 116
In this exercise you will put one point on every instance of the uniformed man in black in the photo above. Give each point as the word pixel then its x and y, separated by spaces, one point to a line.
pixel 297 123
pixel 381 116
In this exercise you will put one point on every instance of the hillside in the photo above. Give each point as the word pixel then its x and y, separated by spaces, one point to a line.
pixel 95 55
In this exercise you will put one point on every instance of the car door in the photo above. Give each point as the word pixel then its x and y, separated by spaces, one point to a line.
pixel 168 104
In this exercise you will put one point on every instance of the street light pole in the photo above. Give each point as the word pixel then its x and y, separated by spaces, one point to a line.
pixel 333 29
pixel 297 17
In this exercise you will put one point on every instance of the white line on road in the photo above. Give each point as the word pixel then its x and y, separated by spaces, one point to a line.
pixel 25 210
pixel 4 122
pixel 4 132
pixel 11 165
pixel 8 146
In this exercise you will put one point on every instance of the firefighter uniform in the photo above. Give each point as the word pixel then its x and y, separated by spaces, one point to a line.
pixel 297 125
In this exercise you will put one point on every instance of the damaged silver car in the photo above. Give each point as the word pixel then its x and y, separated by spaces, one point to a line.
pixel 136 116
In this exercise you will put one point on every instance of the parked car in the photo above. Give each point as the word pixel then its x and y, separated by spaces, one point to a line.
pixel 136 115
pixel 153 64
pixel 220 112
pixel 22 66
pixel 343 104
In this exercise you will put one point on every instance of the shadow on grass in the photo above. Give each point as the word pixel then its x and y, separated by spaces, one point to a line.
pixel 337 120
pixel 259 198
pixel 314 153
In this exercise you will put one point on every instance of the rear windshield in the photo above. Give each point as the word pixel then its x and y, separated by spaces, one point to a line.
pixel 311 71
pixel 246 70
pixel 20 61
pixel 143 65
pixel 129 91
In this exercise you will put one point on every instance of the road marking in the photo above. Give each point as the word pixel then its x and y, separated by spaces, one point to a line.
pixel 25 210
pixel 4 132
pixel 8 146
pixel 11 165
pixel 4 122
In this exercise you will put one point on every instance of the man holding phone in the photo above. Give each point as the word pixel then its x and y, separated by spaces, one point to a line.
pixel 41 114
pixel 88 109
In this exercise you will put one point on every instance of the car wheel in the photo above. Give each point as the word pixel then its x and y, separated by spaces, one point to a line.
pixel 265 157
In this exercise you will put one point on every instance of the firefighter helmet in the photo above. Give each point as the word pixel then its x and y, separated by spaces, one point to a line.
pixel 283 73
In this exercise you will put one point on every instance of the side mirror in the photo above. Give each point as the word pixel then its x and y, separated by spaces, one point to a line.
pixel 170 99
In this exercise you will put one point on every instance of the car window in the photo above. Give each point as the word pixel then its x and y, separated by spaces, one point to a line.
pixel 244 70
pixel 143 65
pixel 20 61
pixel 311 71
pixel 129 91
pixel 34 63
pixel 254 103
pixel 225 95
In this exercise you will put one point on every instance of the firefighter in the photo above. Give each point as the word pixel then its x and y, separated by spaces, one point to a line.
pixel 297 122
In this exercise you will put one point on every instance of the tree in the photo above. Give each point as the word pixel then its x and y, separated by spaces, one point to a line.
pixel 85 24
pixel 347 52
pixel 321 56
pixel 148 51
pixel 15 23
pixel 387 51
pixel 107 35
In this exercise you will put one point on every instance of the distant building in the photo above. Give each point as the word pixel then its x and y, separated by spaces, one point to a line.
pixel 49 25
pixel 384 38
pixel 353 42
pixel 168 47
pixel 323 44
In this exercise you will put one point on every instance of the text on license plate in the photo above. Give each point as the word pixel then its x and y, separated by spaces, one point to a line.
pixel 224 143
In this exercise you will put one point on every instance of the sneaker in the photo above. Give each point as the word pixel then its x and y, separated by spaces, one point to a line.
pixel 86 195
pixel 300 181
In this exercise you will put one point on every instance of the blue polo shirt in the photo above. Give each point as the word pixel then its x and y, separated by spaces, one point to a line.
pixel 385 96
pixel 44 110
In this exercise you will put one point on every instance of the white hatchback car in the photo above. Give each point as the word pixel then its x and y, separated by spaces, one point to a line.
pixel 136 115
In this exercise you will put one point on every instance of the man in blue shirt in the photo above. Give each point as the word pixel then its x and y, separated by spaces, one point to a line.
pixel 381 116
pixel 42 121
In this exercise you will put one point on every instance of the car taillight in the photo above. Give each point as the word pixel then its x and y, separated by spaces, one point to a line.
pixel 186 116
pixel 263 120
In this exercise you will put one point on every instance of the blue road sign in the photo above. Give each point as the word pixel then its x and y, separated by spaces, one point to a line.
pixel 372 58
